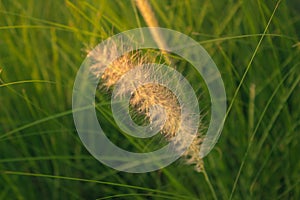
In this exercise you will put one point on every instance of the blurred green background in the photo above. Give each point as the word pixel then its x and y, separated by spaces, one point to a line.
pixel 42 45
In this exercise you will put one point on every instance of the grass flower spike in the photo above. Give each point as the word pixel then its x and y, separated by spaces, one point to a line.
pixel 146 96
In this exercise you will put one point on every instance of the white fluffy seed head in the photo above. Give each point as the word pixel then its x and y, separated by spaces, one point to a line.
pixel 146 99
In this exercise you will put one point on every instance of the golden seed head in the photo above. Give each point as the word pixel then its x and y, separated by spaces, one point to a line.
pixel 146 96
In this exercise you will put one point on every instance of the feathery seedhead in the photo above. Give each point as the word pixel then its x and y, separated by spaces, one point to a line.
pixel 145 97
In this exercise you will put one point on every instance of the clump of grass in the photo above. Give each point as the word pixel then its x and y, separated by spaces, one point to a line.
pixel 41 151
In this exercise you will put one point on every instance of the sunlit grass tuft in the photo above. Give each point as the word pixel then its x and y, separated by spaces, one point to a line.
pixel 254 43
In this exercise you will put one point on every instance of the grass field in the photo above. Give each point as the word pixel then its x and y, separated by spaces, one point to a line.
pixel 256 46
